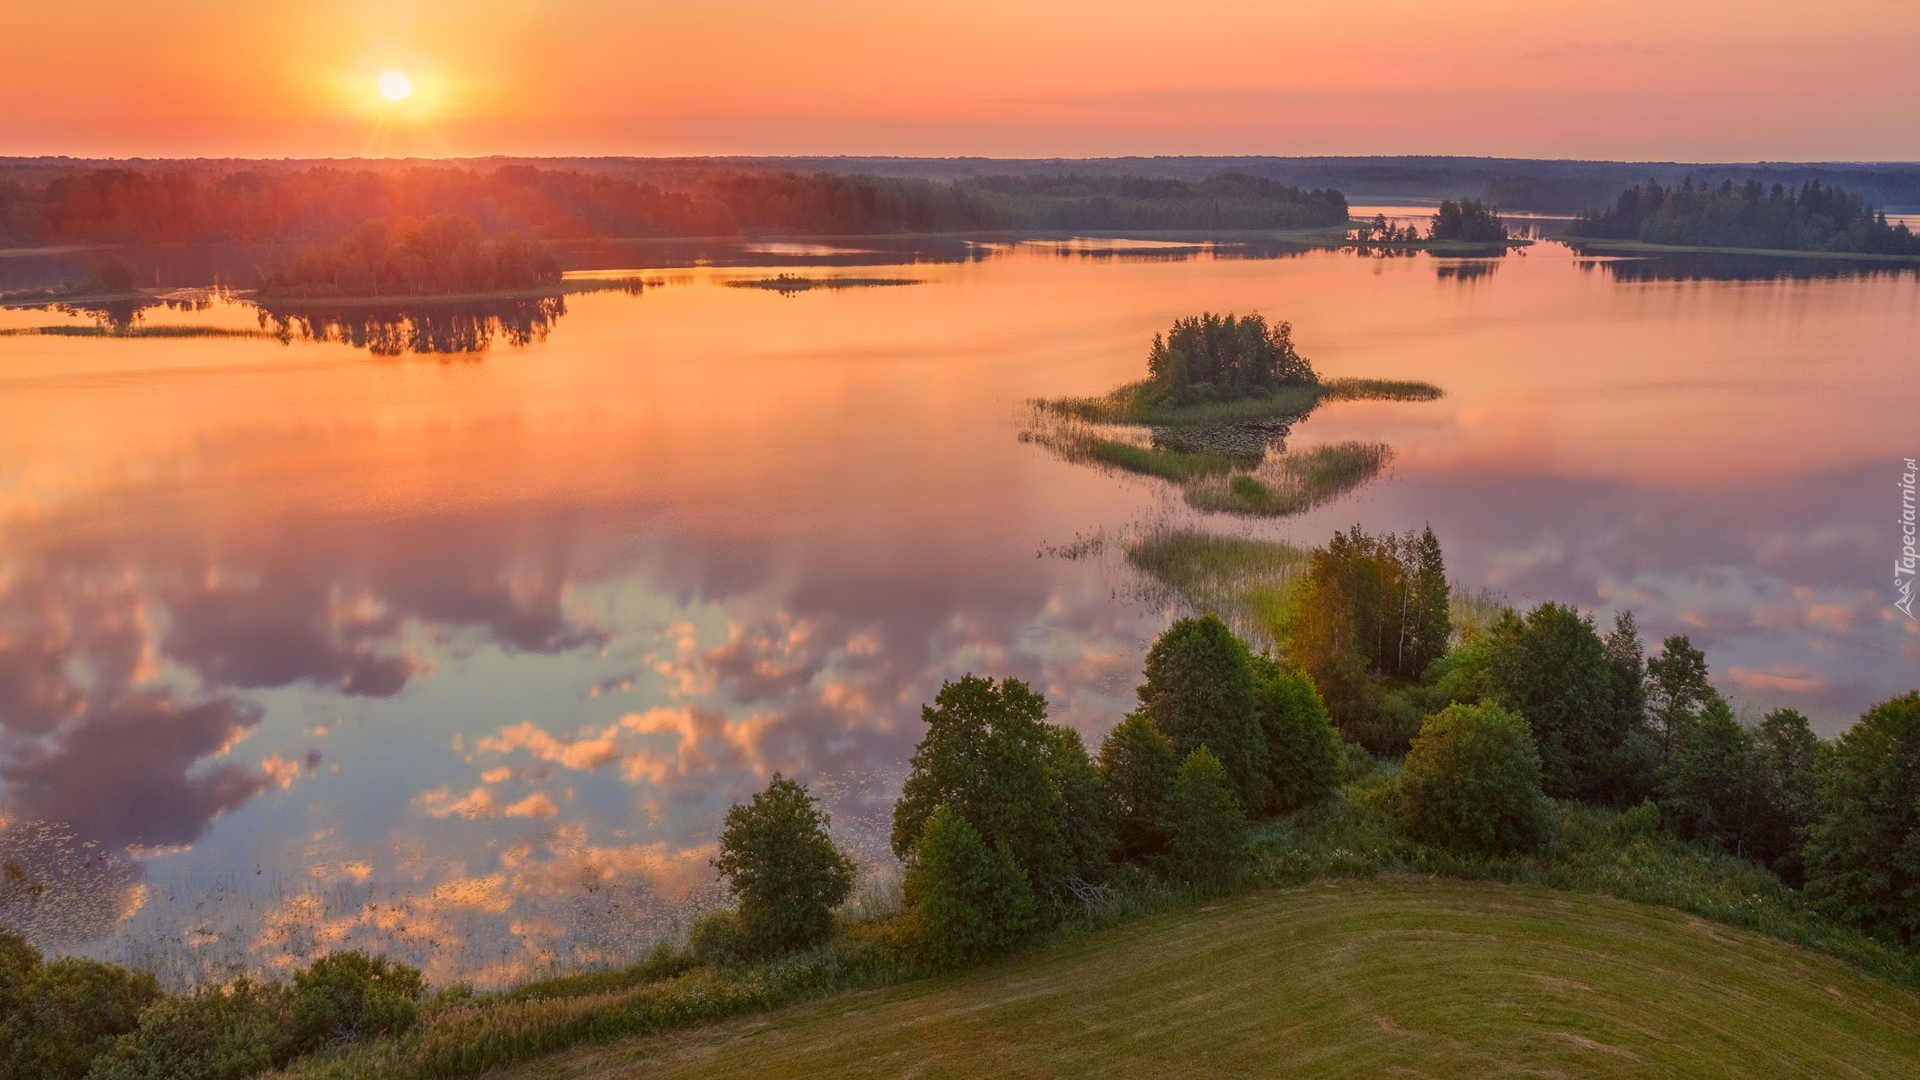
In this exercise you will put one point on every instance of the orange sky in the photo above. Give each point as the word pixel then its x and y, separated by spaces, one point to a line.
pixel 1635 79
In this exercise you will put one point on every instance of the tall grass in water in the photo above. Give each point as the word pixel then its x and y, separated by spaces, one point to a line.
pixel 1081 445
pixel 1294 483
pixel 1242 580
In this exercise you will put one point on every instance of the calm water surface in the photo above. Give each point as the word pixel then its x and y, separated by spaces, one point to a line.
pixel 463 658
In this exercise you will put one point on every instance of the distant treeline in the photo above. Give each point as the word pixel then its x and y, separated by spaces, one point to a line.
pixel 261 204
pixel 441 254
pixel 1228 201
pixel 1817 217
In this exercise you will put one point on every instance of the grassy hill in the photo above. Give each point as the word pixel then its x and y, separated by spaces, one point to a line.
pixel 1349 978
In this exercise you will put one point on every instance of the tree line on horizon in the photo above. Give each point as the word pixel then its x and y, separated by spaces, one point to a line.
pixel 1815 217
pixel 258 205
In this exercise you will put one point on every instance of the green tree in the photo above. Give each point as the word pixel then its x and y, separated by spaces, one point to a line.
pixel 1137 767
pixel 1788 754
pixel 1206 829
pixel 1551 668
pixel 1710 785
pixel 783 868
pixel 1303 750
pixel 1082 806
pixel 1677 689
pixel 966 900
pixel 1199 692
pixel 1630 773
pixel 1472 782
pixel 1863 857
pixel 58 1016
pixel 985 754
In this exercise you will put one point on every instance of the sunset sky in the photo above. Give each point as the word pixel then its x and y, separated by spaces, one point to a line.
pixel 1630 79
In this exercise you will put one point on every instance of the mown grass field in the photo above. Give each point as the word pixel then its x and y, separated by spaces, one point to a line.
pixel 1337 979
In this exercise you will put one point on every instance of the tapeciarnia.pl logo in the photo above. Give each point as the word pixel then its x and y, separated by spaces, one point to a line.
pixel 1903 567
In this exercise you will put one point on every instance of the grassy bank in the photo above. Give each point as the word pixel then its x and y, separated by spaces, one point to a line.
pixel 1348 979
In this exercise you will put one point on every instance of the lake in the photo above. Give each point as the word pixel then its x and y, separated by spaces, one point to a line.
pixel 308 644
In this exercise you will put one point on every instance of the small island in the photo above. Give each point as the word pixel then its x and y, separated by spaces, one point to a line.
pixel 1458 227
pixel 1221 394
pixel 1815 220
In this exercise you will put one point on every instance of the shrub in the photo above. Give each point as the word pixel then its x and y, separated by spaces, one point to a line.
pixel 967 900
pixel 214 1033
pixel 1137 767
pixel 985 755
pixel 1206 830
pixel 1472 782
pixel 1863 858
pixel 782 866
pixel 61 1015
pixel 1199 692
pixel 1641 820
pixel 717 938
pixel 1303 749
pixel 350 996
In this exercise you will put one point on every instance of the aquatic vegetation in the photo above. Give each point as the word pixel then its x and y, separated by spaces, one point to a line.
pixel 1293 483
pixel 793 283
pixel 1242 580
pixel 133 332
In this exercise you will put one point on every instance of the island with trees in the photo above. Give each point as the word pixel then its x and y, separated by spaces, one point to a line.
pixel 1463 226
pixel 1815 218
pixel 1221 394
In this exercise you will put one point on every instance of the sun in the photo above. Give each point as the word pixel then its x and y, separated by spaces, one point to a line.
pixel 395 86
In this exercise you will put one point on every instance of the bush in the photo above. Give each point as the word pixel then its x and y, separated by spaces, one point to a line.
pixel 1863 858
pixel 1137 767
pixel 985 755
pixel 1199 692
pixel 214 1033
pixel 1303 749
pixel 967 900
pixel 782 866
pixel 1641 820
pixel 1472 782
pixel 717 938
pixel 350 996
pixel 59 1016
pixel 1206 830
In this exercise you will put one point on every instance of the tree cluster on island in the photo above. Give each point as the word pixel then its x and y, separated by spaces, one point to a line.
pixel 1209 359
pixel 1815 217
pixel 1464 220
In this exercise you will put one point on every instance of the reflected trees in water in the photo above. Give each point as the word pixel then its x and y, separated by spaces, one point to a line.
pixel 442 329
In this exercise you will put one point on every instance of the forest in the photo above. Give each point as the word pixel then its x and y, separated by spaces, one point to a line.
pixel 259 204
pixel 1816 217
